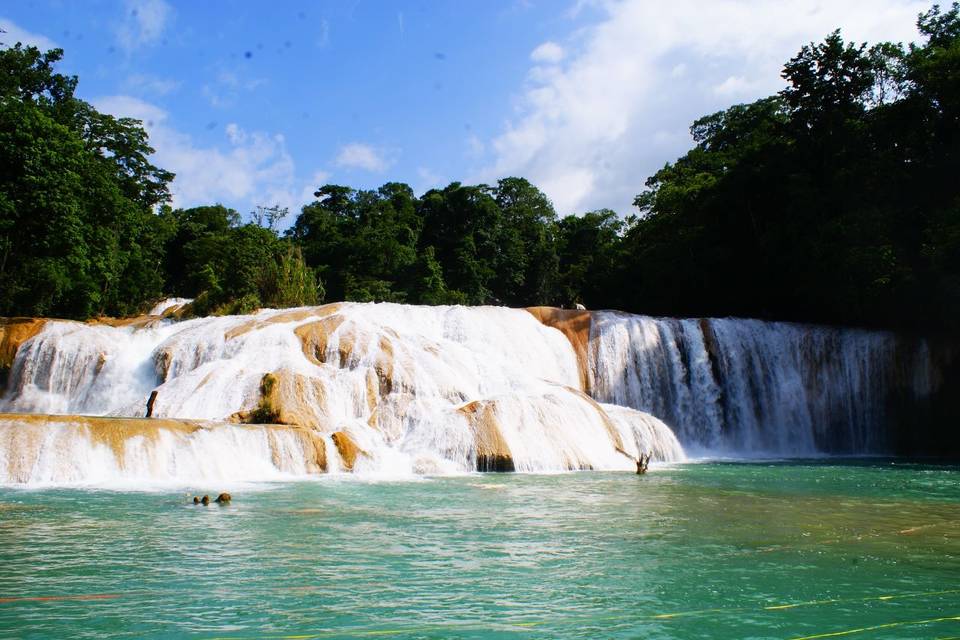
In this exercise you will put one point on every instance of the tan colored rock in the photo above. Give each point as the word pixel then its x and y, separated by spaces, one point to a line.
pixel 116 432
pixel 138 322
pixel 349 451
pixel 492 451
pixel 13 333
pixel 315 451
pixel 294 315
pixel 287 398
pixel 575 325
pixel 315 335
pixel 112 432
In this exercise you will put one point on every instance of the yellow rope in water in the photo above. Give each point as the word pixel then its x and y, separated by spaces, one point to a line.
pixel 888 625
pixel 516 626
pixel 809 603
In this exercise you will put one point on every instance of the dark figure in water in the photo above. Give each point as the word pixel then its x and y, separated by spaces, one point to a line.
pixel 643 462
pixel 196 500
pixel 150 403
pixel 223 498
pixel 205 500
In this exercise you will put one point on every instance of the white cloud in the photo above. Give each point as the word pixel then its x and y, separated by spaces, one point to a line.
pixel 548 52
pixel 15 33
pixel 144 23
pixel 740 87
pixel 357 155
pixel 589 132
pixel 249 168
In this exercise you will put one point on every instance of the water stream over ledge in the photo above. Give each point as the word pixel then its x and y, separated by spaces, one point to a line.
pixel 400 389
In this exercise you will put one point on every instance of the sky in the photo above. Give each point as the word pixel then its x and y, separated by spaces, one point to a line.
pixel 257 103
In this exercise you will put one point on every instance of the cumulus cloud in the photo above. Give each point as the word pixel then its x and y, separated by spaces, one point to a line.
pixel 548 52
pixel 608 108
pixel 144 23
pixel 248 169
pixel 357 155
pixel 15 33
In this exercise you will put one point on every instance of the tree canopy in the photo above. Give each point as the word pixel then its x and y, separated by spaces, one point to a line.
pixel 835 201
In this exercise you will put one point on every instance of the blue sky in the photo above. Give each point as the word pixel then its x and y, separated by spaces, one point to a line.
pixel 255 103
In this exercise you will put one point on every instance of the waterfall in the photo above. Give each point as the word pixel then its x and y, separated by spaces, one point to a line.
pixel 398 390
pixel 394 389
pixel 51 450
pixel 753 387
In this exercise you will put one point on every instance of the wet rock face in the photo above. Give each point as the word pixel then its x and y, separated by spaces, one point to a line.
pixel 13 333
pixel 493 453
pixel 575 325
pixel 349 451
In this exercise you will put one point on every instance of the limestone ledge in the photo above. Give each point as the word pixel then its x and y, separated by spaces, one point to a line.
pixel 115 432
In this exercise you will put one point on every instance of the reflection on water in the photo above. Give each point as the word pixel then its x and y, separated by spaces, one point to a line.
pixel 703 550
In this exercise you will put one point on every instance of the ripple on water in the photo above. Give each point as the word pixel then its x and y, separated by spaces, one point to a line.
pixel 707 546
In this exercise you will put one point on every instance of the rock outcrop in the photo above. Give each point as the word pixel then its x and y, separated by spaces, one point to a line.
pixel 492 450
pixel 13 333
pixel 575 325
pixel 348 449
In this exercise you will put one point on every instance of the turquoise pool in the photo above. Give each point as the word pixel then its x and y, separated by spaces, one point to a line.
pixel 859 549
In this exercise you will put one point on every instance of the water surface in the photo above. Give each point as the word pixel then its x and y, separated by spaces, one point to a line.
pixel 867 549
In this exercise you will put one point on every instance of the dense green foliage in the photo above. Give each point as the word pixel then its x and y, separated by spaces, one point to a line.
pixel 79 235
pixel 231 267
pixel 461 244
pixel 835 200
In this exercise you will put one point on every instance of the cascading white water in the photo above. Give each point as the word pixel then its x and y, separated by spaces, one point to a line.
pixel 753 387
pixel 73 450
pixel 168 305
pixel 395 389
pixel 415 389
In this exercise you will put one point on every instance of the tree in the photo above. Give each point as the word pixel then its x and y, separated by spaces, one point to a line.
pixel 529 253
pixel 77 233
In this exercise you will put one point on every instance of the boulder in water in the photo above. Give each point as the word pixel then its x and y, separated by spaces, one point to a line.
pixel 223 498
pixel 205 500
